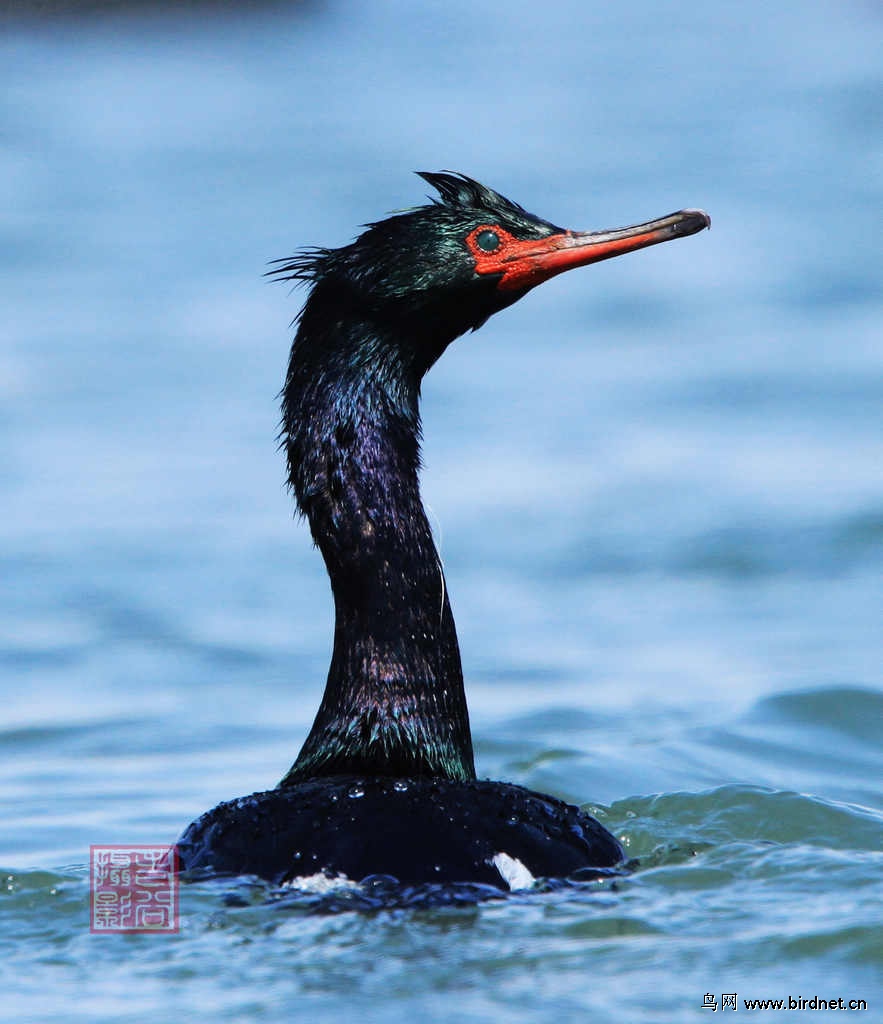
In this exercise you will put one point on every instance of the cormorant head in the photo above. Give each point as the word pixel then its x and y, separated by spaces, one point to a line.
pixel 422 277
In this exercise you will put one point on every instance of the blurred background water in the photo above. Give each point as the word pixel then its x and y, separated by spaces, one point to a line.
pixel 656 485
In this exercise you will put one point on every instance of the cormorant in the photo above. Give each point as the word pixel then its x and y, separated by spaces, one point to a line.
pixel 385 783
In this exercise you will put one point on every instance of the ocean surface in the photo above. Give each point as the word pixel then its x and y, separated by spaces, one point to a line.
pixel 656 485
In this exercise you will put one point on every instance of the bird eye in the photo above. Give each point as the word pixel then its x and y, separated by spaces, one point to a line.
pixel 487 241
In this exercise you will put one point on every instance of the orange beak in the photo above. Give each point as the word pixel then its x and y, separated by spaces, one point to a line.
pixel 524 263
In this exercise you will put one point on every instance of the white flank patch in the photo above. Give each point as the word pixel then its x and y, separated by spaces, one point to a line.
pixel 514 873
pixel 320 883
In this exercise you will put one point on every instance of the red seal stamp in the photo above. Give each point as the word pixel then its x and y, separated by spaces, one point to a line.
pixel 133 888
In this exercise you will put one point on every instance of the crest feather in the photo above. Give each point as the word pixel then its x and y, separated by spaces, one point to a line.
pixel 303 268
pixel 460 190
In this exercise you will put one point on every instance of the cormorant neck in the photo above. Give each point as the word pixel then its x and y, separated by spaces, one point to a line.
pixel 394 702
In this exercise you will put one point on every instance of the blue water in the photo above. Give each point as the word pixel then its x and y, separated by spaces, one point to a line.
pixel 656 486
